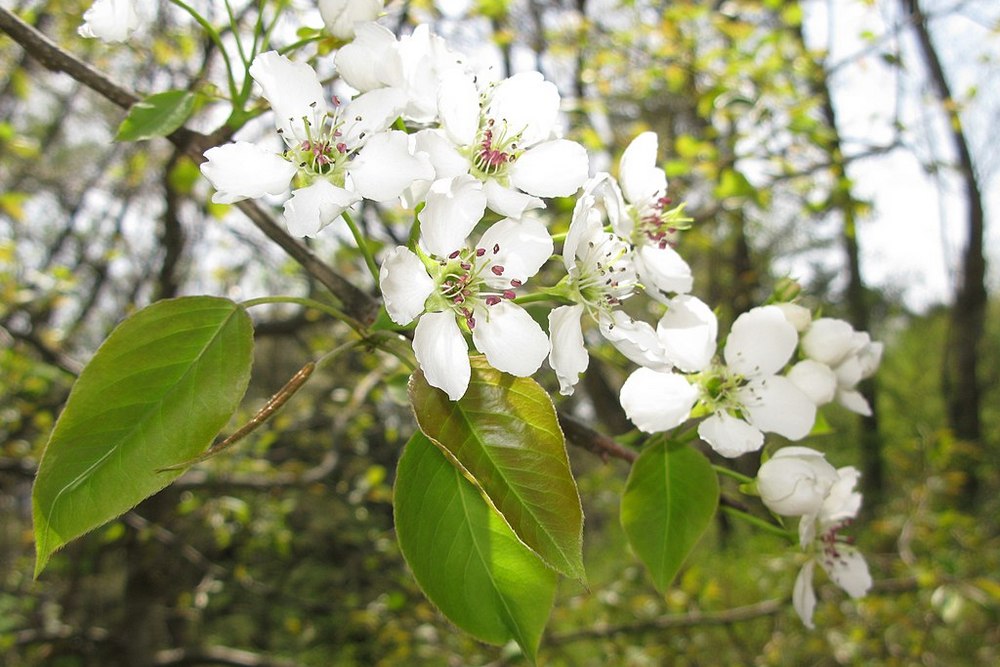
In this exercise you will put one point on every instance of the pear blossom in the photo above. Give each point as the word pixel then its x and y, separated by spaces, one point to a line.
pixel 414 65
pixel 505 137
pixel 746 397
pixel 471 289
pixel 751 397
pixel 650 222
pixel 341 16
pixel 798 481
pixel 115 20
pixel 851 355
pixel 600 276
pixel 339 155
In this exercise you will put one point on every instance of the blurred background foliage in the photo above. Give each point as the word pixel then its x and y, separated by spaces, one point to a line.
pixel 282 551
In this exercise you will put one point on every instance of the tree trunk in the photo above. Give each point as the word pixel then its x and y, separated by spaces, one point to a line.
pixel 960 382
pixel 858 302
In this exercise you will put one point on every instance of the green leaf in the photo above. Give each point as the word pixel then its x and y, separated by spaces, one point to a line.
pixel 155 394
pixel 464 556
pixel 505 437
pixel 670 498
pixel 156 116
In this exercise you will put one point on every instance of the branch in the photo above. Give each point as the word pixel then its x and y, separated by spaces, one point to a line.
pixel 217 655
pixel 694 618
pixel 359 304
pixel 583 436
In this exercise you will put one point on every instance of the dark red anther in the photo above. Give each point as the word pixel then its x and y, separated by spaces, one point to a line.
pixel 480 252
pixel 454 255
pixel 471 321
pixel 509 294
pixel 514 282
pixel 465 266
pixel 342 147
pixel 497 270
pixel 496 248
pixel 492 300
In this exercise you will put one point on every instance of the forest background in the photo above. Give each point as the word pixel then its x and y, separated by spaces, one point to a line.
pixel 849 144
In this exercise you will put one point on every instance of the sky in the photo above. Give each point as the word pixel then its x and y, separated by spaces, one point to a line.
pixel 913 239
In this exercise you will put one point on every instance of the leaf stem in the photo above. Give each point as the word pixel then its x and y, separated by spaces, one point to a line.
pixel 359 238
pixel 757 522
pixel 732 474
pixel 213 35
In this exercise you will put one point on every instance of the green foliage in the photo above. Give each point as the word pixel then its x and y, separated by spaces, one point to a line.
pixel 505 438
pixel 669 501
pixel 157 115
pixel 466 558
pixel 158 390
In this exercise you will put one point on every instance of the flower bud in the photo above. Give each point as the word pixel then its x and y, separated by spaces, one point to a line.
pixel 795 481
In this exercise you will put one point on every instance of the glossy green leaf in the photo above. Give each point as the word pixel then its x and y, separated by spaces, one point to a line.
pixel 156 116
pixel 505 437
pixel 670 498
pixel 464 556
pixel 155 394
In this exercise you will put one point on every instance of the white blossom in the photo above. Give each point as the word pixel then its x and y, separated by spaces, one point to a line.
pixel 336 155
pixel 470 289
pixel 341 16
pixel 115 20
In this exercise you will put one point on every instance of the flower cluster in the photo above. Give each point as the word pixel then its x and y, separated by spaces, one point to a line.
pixel 475 161
pixel 799 482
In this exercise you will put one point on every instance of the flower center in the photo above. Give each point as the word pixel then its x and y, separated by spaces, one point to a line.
pixel 469 279
pixel 320 150
pixel 604 274
pixel 657 223
pixel 495 149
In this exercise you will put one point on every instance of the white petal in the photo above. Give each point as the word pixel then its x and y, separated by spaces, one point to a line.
pixel 848 570
pixel 584 226
pixel 870 356
pixel 458 108
pixel 294 91
pixel 855 402
pixel 608 195
pixel 384 168
pixel 656 401
pixel 114 20
pixel 848 373
pixel 761 342
pixel 663 271
pixel 729 436
pixel 798 316
pixel 362 62
pixel 803 595
pixel 567 354
pixel 551 169
pixel 815 380
pixel 842 501
pixel 369 114
pixel 641 179
pixel 688 332
pixel 528 104
pixel 245 171
pixel 447 161
pixel 442 353
pixel 635 339
pixel 775 405
pixel 511 340
pixel 340 16
pixel 795 485
pixel 454 207
pixel 522 247
pixel 828 341
pixel 426 61
pixel 509 202
pixel 405 285
pixel 312 208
